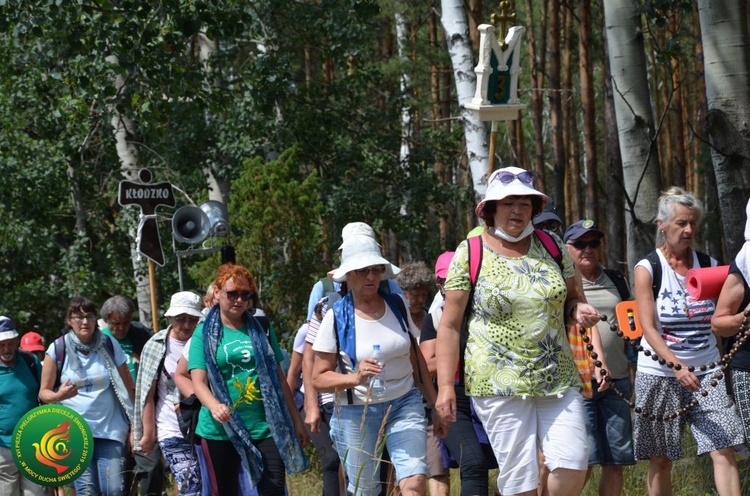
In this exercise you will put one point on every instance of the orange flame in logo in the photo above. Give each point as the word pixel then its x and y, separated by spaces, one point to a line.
pixel 53 447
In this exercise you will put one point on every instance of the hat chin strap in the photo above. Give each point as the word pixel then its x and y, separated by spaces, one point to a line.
pixel 499 233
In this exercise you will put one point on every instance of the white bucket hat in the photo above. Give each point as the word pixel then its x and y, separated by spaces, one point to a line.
pixel 358 252
pixel 7 329
pixel 510 181
pixel 184 302
pixel 356 229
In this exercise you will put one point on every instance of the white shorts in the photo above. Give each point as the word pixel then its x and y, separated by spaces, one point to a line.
pixel 518 427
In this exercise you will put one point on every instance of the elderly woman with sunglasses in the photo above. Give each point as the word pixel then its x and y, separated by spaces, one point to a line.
pixel 365 420
pixel 519 369
pixel 156 394
pixel 248 419
pixel 93 379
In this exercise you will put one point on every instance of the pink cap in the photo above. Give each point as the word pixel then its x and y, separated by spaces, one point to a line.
pixel 442 264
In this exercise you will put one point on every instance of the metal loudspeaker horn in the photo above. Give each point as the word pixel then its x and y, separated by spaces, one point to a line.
pixel 218 217
pixel 190 225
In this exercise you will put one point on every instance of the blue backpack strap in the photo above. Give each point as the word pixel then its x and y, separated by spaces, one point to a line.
pixel 550 245
pixel 59 359
pixel 32 364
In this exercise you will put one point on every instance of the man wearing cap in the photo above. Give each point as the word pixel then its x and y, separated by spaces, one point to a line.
pixel 19 389
pixel 327 287
pixel 548 220
pixel 608 416
pixel 154 417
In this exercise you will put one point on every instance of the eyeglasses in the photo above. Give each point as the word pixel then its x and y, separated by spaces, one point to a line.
pixel 506 177
pixel 186 321
pixel 242 295
pixel 80 318
pixel 581 245
pixel 375 269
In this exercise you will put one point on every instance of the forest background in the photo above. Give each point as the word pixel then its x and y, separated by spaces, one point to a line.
pixel 303 115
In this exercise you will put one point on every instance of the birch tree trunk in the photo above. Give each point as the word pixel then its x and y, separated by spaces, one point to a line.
pixel 456 29
pixel 725 46
pixel 125 134
pixel 635 125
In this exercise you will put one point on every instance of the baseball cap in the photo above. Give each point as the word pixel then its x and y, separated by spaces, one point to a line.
pixel 579 228
pixel 184 302
pixel 442 264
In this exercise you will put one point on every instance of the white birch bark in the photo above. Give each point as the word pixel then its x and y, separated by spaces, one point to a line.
pixel 456 27
pixel 405 86
pixel 726 46
pixel 635 125
pixel 125 132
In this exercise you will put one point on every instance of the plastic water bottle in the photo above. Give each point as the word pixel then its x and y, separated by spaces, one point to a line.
pixel 377 383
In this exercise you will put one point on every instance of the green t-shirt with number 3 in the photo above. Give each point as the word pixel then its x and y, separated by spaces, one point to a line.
pixel 236 361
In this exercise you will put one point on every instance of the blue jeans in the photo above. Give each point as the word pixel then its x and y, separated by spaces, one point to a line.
pixel 105 474
pixel 355 430
pixel 609 427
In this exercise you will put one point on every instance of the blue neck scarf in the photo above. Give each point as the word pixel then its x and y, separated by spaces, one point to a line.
pixel 277 415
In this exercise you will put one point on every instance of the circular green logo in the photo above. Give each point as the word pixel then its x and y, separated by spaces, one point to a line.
pixel 52 445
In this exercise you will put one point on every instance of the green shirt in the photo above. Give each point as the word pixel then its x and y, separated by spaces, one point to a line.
pixel 127 348
pixel 517 344
pixel 236 361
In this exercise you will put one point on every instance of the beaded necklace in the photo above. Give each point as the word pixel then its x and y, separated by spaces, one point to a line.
pixel 742 336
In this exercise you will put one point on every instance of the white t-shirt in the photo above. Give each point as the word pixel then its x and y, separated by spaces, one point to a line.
pixel 312 332
pixel 687 334
pixel 167 394
pixel 394 345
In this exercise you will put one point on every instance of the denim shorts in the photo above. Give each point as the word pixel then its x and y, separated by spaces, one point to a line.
pixel 360 433
pixel 609 425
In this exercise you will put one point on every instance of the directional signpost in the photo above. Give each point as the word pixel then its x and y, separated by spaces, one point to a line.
pixel 148 197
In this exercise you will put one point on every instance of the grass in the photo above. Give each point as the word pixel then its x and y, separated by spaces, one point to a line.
pixel 691 476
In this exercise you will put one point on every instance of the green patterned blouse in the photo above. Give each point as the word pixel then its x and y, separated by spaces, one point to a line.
pixel 517 343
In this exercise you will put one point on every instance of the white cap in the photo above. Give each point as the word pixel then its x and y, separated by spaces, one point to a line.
pixel 184 302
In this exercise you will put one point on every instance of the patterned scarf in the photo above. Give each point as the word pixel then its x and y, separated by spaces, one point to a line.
pixel 73 344
pixel 277 414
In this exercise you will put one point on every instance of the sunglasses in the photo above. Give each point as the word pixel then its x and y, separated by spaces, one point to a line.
pixel 506 177
pixel 375 269
pixel 581 245
pixel 242 295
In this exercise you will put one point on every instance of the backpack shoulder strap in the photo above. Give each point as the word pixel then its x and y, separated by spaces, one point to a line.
pixel 550 245
pixel 327 285
pixel 653 259
pixel 620 283
pixel 31 363
pixel 108 345
pixel 704 260
pixel 475 258
pixel 59 359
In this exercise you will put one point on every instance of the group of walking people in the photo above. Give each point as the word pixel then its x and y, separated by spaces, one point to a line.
pixel 513 365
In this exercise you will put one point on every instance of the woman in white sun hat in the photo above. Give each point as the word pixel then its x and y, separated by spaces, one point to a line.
pixel 156 394
pixel 519 370
pixel 364 423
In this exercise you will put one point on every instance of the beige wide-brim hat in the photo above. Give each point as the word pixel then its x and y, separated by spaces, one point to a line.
pixel 356 229
pixel 360 251
pixel 496 190
pixel 184 302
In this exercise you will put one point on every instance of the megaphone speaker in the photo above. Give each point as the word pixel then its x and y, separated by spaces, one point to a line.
pixel 190 225
pixel 218 217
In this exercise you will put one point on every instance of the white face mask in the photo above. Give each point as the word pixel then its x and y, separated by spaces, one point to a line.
pixel 499 233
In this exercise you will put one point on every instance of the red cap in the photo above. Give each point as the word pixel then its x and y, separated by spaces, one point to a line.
pixel 31 341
